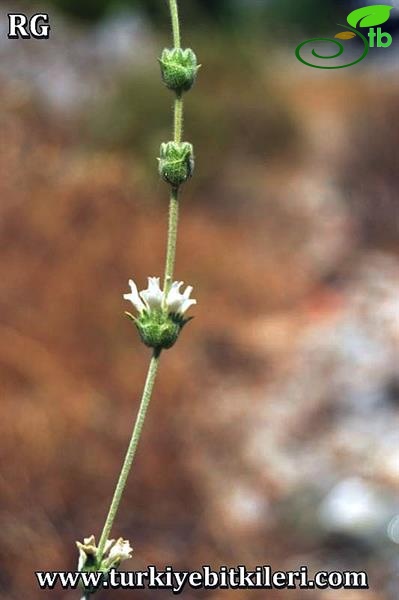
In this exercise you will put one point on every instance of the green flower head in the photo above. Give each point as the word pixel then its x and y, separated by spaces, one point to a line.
pixel 179 69
pixel 176 162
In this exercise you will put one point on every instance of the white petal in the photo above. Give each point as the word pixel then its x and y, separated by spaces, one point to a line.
pixel 186 305
pixel 108 545
pixel 82 559
pixel 177 302
pixel 175 298
pixel 187 292
pixel 134 297
pixel 88 548
pixel 153 295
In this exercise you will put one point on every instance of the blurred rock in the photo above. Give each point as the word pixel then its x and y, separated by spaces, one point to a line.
pixel 354 506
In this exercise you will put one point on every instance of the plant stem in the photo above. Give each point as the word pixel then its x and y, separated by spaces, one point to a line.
pixel 172 238
pixel 177 137
pixel 178 120
pixel 174 13
pixel 153 368
pixel 131 451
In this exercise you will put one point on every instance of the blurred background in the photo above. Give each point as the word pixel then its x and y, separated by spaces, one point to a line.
pixel 273 436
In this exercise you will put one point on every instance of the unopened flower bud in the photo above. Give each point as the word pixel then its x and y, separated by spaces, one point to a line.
pixel 179 69
pixel 176 162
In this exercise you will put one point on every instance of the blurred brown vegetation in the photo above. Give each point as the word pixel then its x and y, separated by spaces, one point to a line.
pixel 289 235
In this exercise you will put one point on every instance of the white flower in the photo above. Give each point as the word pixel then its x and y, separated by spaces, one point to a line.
pixel 114 553
pixel 120 551
pixel 153 298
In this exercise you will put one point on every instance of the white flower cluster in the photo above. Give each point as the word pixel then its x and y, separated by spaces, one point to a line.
pixel 153 298
pixel 115 551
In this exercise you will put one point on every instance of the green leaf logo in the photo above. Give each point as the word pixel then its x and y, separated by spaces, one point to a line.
pixel 370 16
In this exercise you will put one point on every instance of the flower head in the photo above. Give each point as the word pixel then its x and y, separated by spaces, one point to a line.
pixel 160 314
pixel 115 551
pixel 176 162
pixel 179 68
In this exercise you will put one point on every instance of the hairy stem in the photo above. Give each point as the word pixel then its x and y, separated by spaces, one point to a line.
pixel 172 238
pixel 177 137
pixel 131 451
pixel 174 13
pixel 178 120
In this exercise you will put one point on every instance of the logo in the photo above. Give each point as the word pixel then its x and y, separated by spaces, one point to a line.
pixel 368 17
pixel 22 27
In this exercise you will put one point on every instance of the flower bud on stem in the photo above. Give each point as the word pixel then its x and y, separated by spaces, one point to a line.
pixel 179 69
pixel 176 163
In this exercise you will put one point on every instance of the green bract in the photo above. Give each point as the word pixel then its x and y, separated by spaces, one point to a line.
pixel 179 69
pixel 176 162
pixel 158 329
